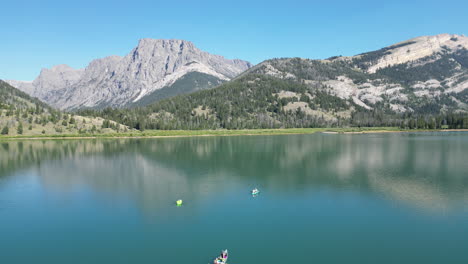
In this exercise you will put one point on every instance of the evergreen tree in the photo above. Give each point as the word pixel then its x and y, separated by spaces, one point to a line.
pixel 105 124
pixel 5 130
pixel 19 130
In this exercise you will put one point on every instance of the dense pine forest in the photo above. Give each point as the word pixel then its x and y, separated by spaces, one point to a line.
pixel 259 101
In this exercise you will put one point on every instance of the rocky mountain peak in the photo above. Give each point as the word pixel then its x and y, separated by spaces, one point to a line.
pixel 148 49
pixel 117 81
pixel 438 41
pixel 59 68
pixel 417 48
pixel 54 79
pixel 165 44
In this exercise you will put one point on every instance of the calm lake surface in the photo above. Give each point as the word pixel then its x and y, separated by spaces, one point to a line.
pixel 376 198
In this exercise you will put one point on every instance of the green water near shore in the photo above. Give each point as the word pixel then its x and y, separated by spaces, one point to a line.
pixel 374 198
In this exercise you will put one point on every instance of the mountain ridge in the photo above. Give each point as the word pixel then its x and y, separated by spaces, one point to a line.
pixel 296 92
pixel 118 81
pixel 388 86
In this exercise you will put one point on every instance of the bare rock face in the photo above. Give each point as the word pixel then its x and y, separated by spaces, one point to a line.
pixel 117 81
pixel 49 81
pixel 418 48
pixel 25 86
pixel 52 80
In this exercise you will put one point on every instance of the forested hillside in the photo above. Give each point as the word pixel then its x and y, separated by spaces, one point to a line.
pixel 21 114
pixel 262 101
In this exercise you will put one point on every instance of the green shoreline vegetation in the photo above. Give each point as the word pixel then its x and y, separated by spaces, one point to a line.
pixel 224 132
pixel 24 117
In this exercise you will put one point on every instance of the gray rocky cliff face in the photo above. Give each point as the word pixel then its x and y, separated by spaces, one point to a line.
pixel 116 81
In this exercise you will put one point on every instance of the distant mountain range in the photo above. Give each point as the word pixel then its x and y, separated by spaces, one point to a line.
pixel 415 80
pixel 421 77
pixel 155 69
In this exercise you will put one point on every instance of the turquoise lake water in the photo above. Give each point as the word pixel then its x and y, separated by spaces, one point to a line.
pixel 375 198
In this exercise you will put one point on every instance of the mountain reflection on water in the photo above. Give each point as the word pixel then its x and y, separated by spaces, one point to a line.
pixel 426 170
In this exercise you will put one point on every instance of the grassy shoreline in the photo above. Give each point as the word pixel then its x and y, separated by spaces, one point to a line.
pixel 246 132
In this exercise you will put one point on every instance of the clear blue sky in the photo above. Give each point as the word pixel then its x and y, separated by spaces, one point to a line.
pixel 39 34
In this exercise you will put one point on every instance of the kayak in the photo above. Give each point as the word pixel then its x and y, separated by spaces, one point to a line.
pixel 222 259
pixel 255 191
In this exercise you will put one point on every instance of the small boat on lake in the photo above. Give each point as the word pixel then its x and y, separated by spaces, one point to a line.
pixel 222 259
pixel 179 202
pixel 255 192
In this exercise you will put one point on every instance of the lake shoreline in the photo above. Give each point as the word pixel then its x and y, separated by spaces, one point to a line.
pixel 395 131
pixel 211 133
